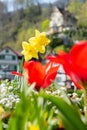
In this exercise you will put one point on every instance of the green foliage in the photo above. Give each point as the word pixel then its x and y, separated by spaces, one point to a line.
pixel 77 33
pixel 74 7
pixel 31 110
pixel 82 16
pixel 46 111
pixel 67 112
pixel 45 25
pixel 55 41
pixel 79 10
pixel 56 49
pixel 17 26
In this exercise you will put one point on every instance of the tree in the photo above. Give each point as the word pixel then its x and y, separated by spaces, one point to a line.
pixel 82 15
pixel 79 9
pixel 74 7
pixel 3 10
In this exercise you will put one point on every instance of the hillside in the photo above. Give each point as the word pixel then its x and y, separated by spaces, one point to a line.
pixel 20 24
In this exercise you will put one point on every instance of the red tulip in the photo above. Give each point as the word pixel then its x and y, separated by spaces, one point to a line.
pixel 42 75
pixel 74 63
pixel 16 73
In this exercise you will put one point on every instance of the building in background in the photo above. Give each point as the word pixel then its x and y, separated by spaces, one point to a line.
pixel 57 21
pixel 9 61
pixel 61 20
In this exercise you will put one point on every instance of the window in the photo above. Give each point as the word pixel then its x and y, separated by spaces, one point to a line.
pixel 13 57
pixel 2 57
pixel 15 67
pixel 8 57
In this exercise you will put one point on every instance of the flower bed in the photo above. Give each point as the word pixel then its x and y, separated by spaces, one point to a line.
pixel 36 102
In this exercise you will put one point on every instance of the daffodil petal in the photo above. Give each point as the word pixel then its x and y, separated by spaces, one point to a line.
pixel 32 40
pixel 25 45
pixel 37 33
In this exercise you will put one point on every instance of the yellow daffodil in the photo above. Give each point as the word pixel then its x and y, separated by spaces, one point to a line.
pixel 34 127
pixel 40 41
pixel 40 49
pixel 29 51
pixel 36 44
pixel 42 38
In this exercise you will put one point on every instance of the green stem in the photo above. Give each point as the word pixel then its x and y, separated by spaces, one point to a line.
pixel 85 103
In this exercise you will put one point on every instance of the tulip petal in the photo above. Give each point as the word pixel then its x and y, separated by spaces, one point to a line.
pixel 78 54
pixel 36 72
pixel 50 76
pixel 16 73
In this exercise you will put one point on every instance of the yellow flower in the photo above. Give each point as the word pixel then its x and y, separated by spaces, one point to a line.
pixel 45 118
pixel 41 37
pixel 36 44
pixel 40 41
pixel 34 127
pixel 29 51
pixel 1 110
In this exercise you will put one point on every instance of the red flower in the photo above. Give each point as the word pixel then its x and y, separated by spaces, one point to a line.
pixel 74 63
pixel 42 75
pixel 16 73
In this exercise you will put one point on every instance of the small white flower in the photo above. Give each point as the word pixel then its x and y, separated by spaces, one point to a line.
pixel 63 88
pixel 56 92
pixel 3 90
pixel 8 105
pixel 17 100
pixel 10 88
pixel 2 85
pixel 3 101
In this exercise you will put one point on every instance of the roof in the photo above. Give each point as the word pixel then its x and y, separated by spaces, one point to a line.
pixel 18 53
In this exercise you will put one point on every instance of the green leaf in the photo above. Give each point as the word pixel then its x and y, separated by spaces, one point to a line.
pixel 1 125
pixel 69 113
pixel 20 116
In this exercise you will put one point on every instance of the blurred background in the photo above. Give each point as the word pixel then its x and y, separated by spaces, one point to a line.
pixel 19 19
pixel 64 21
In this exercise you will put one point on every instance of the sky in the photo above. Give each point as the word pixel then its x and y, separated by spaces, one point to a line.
pixel 10 3
pixel 42 1
pixel 48 1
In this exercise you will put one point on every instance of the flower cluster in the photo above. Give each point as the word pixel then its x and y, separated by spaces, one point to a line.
pixel 42 75
pixel 47 114
pixel 34 45
pixel 8 99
